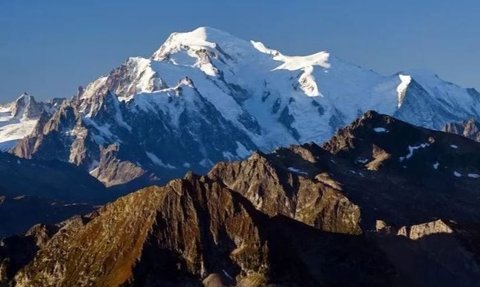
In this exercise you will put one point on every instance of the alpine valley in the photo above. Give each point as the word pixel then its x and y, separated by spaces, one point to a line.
pixel 222 162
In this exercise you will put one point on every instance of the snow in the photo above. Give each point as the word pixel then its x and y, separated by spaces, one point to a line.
pixel 158 161
pixel 412 149
pixel 402 88
pixel 457 174
pixel 13 129
pixel 473 175
pixel 435 165
pixel 380 130
pixel 346 90
pixel 104 131
pixel 93 87
pixel 362 160
pixel 196 39
pixel 453 146
pixel 242 151
pixel 460 102
pixel 119 116
pixel 246 79
pixel 296 170
pixel 301 62
pixel 228 155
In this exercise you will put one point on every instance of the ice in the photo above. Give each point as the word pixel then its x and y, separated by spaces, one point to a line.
pixel 412 149
pixel 158 161
pixel 380 130
pixel 296 170
pixel 402 88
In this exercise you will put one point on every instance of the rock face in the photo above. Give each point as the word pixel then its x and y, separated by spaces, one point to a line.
pixel 383 203
pixel 19 118
pixel 292 183
pixel 16 251
pixel 201 231
pixel 469 129
pixel 33 191
pixel 206 96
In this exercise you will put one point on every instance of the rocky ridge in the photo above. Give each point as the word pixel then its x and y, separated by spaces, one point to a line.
pixel 383 203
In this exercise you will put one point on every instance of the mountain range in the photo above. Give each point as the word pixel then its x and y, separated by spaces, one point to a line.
pixel 221 162
pixel 206 96
pixel 382 203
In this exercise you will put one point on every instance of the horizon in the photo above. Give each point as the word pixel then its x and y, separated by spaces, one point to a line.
pixel 48 70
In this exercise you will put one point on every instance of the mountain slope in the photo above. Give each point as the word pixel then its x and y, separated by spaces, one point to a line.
pixel 202 232
pixel 372 169
pixel 206 96
pixel 382 203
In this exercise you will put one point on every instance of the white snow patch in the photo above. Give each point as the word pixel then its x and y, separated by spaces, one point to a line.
pixel 457 174
pixel 158 161
pixel 308 83
pixel 14 130
pixel 380 130
pixel 402 88
pixel 294 63
pixel 241 150
pixel 296 170
pixel 228 155
pixel 261 47
pixel 435 165
pixel 362 160
pixel 454 146
pixel 473 175
pixel 119 116
pixel 412 149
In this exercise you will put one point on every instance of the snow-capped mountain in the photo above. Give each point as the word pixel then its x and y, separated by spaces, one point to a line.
pixel 206 96
pixel 18 119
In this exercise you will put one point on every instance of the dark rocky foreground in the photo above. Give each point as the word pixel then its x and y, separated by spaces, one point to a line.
pixel 383 203
pixel 34 191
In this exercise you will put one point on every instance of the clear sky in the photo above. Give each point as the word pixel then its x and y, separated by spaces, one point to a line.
pixel 48 48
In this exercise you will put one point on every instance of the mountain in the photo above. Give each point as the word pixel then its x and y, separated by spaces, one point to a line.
pixel 34 191
pixel 382 203
pixel 469 128
pixel 206 96
pixel 18 119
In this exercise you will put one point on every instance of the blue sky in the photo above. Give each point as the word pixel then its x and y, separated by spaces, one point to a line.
pixel 48 48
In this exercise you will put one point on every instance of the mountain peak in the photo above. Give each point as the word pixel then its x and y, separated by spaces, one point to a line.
pixel 26 107
pixel 202 38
